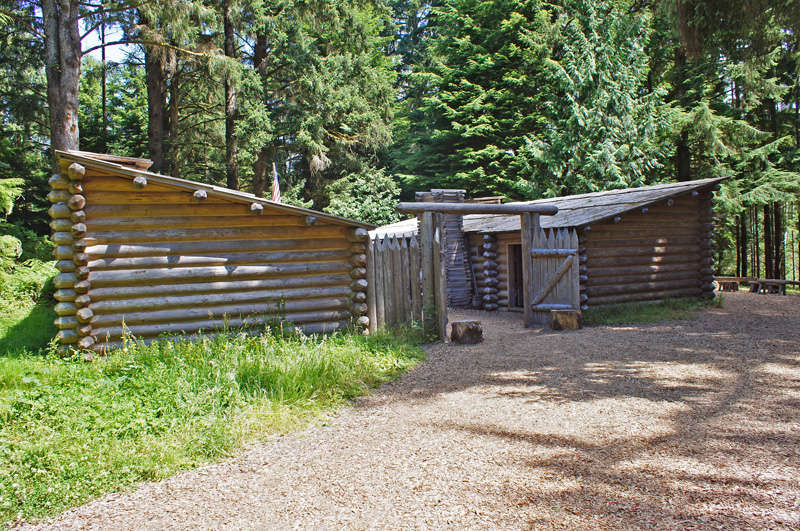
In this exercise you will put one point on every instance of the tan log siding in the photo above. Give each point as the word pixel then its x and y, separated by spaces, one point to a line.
pixel 645 256
pixel 504 239
pixel 160 263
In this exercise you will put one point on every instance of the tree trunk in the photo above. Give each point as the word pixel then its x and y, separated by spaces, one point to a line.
pixel 62 45
pixel 231 163
pixel 173 122
pixel 739 246
pixel 156 103
pixel 768 261
pixel 262 159
pixel 756 252
pixel 683 154
pixel 779 241
pixel 745 245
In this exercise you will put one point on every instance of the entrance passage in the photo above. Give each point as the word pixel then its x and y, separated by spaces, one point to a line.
pixel 516 282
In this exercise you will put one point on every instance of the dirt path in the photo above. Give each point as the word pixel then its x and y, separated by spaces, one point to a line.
pixel 679 425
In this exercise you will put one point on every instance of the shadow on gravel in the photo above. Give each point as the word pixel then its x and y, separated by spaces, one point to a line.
pixel 729 384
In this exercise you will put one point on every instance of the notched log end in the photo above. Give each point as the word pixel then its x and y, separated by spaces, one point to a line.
pixel 76 171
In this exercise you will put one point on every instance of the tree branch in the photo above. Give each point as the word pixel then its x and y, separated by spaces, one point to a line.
pixel 22 21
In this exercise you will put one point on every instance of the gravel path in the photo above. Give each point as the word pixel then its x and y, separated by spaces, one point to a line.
pixel 677 425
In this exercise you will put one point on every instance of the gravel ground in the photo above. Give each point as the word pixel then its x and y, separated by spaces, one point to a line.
pixel 675 425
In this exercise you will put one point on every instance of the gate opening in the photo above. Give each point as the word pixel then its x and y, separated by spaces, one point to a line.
pixel 516 285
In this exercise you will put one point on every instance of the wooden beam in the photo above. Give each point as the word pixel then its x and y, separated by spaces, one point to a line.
pixel 476 208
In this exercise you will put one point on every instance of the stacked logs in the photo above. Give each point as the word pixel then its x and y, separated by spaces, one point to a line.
pixel 490 272
pixel 358 259
pixel 72 285
pixel 706 236
pixel 583 237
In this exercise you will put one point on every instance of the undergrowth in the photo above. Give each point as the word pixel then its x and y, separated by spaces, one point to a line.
pixel 644 312
pixel 71 431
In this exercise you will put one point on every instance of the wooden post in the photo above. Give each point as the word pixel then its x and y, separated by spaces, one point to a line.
pixel 426 230
pixel 371 298
pixel 440 276
pixel 528 223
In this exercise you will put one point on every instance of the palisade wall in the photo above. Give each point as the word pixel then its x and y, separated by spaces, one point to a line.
pixel 158 258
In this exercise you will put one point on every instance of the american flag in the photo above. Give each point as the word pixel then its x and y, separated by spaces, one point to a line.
pixel 276 189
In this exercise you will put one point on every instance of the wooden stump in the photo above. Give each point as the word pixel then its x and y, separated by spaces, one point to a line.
pixel 467 332
pixel 566 320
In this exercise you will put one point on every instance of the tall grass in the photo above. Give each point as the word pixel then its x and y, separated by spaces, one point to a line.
pixel 71 431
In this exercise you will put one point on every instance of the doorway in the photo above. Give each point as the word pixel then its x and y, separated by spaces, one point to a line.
pixel 516 300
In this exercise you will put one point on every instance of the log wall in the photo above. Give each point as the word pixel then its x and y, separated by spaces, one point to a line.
pixel 662 251
pixel 483 260
pixel 155 259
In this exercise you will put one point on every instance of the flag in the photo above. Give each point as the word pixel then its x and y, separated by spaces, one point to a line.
pixel 276 189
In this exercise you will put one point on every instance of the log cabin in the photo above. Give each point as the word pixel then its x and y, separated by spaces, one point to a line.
pixel 637 244
pixel 147 254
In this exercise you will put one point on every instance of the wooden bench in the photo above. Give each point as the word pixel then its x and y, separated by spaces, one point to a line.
pixel 728 285
pixel 771 285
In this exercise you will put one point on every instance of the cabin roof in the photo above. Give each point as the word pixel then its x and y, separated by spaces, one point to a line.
pixel 573 211
pixel 130 168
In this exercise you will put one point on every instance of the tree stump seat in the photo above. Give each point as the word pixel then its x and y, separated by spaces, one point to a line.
pixel 466 332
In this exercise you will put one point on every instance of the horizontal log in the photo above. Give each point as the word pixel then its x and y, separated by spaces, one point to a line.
pixel 200 288
pixel 596 272
pixel 204 235
pixel 59 182
pixel 59 196
pixel 358 272
pixel 636 279
pixel 644 260
pixel 242 299
pixel 63 252
pixel 65 280
pixel 220 313
pixel 185 209
pixel 78 230
pixel 660 285
pixel 543 307
pixel 65 308
pixel 76 202
pixel 650 241
pixel 62 238
pixel 86 343
pixel 358 296
pixel 213 247
pixel 61 225
pixel 59 211
pixel 84 315
pixel 356 235
pixel 80 259
pixel 307 329
pixel 190 222
pixel 132 277
pixel 76 171
pixel 189 327
pixel 149 197
pixel 644 296
pixel 65 295
pixel 231 259
pixel 643 251
pixel 659 230
pixel 83 286
pixel 66 266
pixel 358 248
pixel 67 336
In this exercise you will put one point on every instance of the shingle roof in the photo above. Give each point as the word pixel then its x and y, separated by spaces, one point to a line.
pixel 573 211
pixel 127 171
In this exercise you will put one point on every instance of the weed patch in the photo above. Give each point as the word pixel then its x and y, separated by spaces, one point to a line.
pixel 642 312
pixel 71 431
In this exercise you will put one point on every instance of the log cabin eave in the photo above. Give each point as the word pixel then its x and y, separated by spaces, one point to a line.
pixel 85 159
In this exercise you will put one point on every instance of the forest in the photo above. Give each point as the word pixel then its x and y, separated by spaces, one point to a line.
pixel 360 103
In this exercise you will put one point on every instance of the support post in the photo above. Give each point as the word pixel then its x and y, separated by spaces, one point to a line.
pixel 528 223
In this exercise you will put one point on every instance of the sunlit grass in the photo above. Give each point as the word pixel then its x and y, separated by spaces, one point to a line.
pixel 643 312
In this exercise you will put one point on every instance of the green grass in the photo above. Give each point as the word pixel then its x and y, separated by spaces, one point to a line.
pixel 71 431
pixel 642 312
